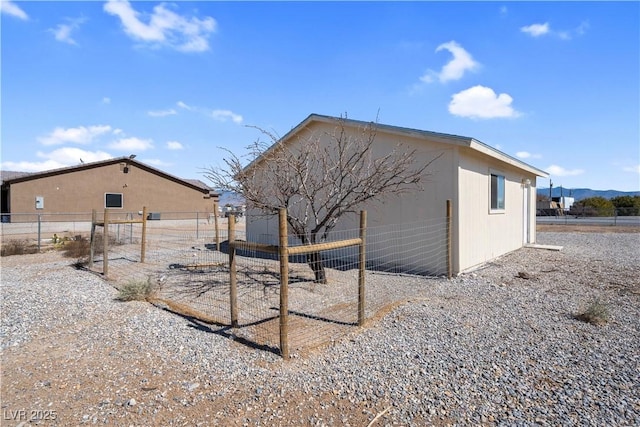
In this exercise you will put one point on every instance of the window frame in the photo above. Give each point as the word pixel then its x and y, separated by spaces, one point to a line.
pixel 106 206
pixel 499 190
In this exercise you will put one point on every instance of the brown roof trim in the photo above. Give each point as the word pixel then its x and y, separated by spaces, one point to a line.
pixel 116 160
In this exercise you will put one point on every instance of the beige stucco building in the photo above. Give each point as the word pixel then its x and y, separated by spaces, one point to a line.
pixel 493 197
pixel 122 185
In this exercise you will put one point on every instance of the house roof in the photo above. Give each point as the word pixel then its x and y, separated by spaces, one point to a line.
pixel 10 177
pixel 461 141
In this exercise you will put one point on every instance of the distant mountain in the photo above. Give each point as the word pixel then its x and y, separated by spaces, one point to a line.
pixel 583 193
pixel 230 198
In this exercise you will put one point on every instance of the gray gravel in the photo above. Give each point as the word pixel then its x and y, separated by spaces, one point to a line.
pixel 486 348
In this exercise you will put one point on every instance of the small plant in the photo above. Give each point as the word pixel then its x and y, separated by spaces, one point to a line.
pixel 596 313
pixel 18 247
pixel 137 290
pixel 78 248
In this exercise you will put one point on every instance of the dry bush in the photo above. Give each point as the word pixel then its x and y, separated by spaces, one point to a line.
pixel 18 247
pixel 596 313
pixel 80 247
pixel 137 290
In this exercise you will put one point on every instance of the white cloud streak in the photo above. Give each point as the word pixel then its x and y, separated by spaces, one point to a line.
pixel 635 169
pixel 454 70
pixel 132 144
pixel 174 145
pixel 226 115
pixel 480 102
pixel 536 30
pixel 157 162
pixel 78 135
pixel 62 32
pixel 527 155
pixel 61 157
pixel 183 105
pixel 220 115
pixel 10 8
pixel 539 30
pixel 164 28
pixel 555 170
pixel 162 113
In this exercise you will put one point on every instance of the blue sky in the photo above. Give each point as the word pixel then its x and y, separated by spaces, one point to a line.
pixel 555 84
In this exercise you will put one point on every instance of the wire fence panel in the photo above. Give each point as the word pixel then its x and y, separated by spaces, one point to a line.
pixel 188 262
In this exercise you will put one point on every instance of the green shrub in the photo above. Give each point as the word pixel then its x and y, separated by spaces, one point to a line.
pixel 137 290
pixel 18 247
pixel 596 313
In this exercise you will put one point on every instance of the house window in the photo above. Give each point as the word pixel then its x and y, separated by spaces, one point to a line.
pixel 497 192
pixel 113 200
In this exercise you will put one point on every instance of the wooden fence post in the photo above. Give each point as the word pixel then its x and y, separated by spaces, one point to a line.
pixel 143 246
pixel 215 222
pixel 449 219
pixel 105 246
pixel 284 283
pixel 362 266
pixel 92 238
pixel 233 280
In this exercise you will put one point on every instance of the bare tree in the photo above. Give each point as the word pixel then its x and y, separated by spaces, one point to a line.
pixel 319 179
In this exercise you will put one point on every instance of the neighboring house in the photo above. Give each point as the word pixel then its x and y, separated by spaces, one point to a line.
pixel 493 197
pixel 123 185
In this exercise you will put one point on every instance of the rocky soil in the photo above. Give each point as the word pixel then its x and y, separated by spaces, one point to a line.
pixel 500 346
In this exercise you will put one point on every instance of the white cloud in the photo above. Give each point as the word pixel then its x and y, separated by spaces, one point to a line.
pixel 10 8
pixel 480 102
pixel 174 145
pixel 635 169
pixel 224 115
pixel 183 105
pixel 454 70
pixel 164 27
pixel 162 113
pixel 132 144
pixel 157 162
pixel 527 155
pixel 556 170
pixel 61 157
pixel 62 32
pixel 79 135
pixel 536 30
pixel 106 100
pixel 218 114
pixel 69 156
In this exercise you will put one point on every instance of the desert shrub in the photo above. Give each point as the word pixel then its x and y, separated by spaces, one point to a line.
pixel 137 290
pixel 80 246
pixel 18 247
pixel 596 313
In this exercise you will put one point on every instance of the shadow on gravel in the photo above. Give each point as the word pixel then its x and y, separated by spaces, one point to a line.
pixel 226 331
pixel 318 318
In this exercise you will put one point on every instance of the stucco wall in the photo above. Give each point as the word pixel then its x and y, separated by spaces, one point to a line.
pixel 485 235
pixel 422 213
pixel 83 190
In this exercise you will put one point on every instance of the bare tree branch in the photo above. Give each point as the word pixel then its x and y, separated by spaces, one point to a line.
pixel 319 178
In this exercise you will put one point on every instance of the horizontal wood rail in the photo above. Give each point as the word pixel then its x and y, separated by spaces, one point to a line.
pixel 295 250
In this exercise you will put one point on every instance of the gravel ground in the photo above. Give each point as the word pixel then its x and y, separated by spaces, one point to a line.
pixel 500 346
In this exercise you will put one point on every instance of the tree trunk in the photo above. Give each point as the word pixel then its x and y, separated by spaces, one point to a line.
pixel 314 260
